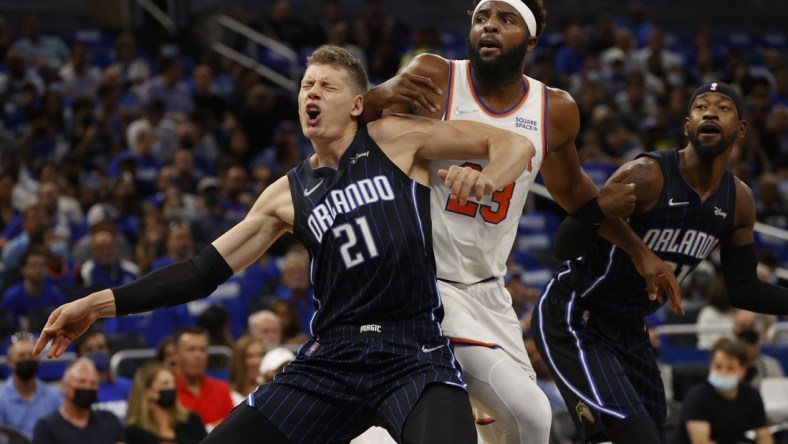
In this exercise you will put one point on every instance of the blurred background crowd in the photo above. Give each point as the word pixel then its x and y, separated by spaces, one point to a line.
pixel 129 143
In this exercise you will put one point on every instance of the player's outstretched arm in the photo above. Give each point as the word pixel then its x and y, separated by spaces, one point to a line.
pixel 180 282
pixel 739 263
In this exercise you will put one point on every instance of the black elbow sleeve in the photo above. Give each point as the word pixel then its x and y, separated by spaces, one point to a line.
pixel 745 290
pixel 578 231
pixel 177 283
pixel 739 266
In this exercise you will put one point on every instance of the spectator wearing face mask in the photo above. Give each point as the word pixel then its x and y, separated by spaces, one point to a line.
pixel 113 391
pixel 24 399
pixel 154 414
pixel 74 421
pixel 723 408
pixel 748 330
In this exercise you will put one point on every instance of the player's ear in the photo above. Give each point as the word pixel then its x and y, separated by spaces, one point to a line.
pixel 742 129
pixel 686 126
pixel 358 106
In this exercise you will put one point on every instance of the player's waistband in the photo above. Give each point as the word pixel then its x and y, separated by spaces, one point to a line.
pixel 409 329
pixel 483 281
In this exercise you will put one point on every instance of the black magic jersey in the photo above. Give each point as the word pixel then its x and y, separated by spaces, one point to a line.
pixel 370 248
pixel 681 229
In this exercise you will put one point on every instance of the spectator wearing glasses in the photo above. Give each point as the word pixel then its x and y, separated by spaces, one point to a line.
pixel 24 399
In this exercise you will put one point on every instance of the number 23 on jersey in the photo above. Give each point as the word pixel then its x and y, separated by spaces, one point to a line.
pixel 489 214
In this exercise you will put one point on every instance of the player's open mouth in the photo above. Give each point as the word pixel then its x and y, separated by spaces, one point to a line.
pixel 488 45
pixel 709 130
pixel 312 113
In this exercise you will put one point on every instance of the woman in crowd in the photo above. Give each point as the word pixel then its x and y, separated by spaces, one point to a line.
pixel 244 367
pixel 154 415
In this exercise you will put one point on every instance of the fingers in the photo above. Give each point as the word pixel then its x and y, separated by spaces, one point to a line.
pixel 47 333
pixel 427 83
pixel 59 346
pixel 651 288
pixel 416 89
pixel 673 290
pixel 42 342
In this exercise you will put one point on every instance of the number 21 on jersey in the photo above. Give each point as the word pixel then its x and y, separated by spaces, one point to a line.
pixel 502 197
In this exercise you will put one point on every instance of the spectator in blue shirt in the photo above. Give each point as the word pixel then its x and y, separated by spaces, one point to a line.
pixel 106 268
pixel 24 399
pixel 35 292
pixel 295 285
pixel 179 246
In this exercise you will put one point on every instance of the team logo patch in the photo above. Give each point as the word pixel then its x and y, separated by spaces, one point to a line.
pixel 584 412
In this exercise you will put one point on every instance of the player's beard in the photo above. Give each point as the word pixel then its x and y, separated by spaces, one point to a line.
pixel 710 151
pixel 506 68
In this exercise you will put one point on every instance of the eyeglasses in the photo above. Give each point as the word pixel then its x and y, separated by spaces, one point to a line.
pixel 22 336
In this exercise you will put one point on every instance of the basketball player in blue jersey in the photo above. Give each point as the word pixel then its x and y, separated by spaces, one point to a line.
pixel 361 206
pixel 588 323
pixel 472 241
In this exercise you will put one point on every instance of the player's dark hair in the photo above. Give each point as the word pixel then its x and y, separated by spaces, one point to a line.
pixel 732 348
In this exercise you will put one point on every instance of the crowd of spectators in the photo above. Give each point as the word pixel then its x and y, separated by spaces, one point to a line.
pixel 116 160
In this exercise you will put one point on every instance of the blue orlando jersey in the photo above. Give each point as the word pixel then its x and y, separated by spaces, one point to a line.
pixel 367 228
pixel 681 229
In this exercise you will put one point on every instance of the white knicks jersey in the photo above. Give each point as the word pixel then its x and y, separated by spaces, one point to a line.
pixel 473 241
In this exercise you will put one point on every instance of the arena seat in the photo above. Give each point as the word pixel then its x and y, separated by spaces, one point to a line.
pixel 12 436
pixel 126 341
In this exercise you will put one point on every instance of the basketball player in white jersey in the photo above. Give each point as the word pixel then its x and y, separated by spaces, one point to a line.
pixel 472 241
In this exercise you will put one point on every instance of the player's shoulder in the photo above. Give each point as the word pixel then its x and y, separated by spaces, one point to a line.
pixel 742 189
pixel 560 100
pixel 428 65
pixel 563 116
pixel 645 170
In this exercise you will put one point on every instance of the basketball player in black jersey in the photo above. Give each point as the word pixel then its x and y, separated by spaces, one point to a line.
pixel 589 321
pixel 361 207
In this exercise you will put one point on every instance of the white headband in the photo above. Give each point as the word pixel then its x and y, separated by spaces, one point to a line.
pixel 525 13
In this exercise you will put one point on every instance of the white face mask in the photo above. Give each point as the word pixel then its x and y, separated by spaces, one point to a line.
pixel 723 383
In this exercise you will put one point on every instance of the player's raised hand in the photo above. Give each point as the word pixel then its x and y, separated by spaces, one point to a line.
pixel 466 182
pixel 414 91
pixel 617 198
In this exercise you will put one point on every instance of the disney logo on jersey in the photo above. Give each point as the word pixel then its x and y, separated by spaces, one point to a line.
pixel 718 212
pixel 358 156
pixel 345 200
pixel 526 124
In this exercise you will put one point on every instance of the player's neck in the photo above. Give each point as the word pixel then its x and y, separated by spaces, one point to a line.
pixel 502 95
pixel 703 174
pixel 329 150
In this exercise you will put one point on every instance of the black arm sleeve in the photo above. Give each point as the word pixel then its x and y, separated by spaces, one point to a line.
pixel 745 290
pixel 578 231
pixel 177 283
